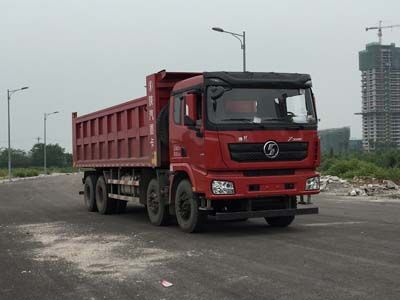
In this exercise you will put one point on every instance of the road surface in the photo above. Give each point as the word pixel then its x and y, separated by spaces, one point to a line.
pixel 51 248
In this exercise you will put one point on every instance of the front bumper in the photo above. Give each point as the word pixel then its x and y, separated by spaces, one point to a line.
pixel 268 186
pixel 225 216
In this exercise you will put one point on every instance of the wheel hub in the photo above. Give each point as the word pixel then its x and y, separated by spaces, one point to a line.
pixel 184 206
pixel 154 203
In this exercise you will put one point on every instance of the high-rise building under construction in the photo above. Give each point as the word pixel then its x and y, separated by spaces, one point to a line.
pixel 380 86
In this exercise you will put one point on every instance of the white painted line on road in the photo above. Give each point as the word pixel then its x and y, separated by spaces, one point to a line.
pixel 333 223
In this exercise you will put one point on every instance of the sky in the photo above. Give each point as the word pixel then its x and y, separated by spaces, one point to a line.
pixel 84 55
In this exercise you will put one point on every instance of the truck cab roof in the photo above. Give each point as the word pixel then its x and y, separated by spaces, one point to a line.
pixel 246 79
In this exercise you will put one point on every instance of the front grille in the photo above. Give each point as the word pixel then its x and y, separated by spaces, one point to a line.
pixel 269 172
pixel 253 152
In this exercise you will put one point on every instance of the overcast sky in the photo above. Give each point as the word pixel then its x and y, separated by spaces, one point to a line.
pixel 81 55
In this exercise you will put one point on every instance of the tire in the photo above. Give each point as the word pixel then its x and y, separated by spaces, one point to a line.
pixel 163 128
pixel 280 221
pixel 105 205
pixel 89 193
pixel 156 208
pixel 189 218
pixel 120 206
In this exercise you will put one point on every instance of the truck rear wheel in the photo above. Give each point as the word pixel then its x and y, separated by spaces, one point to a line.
pixel 105 205
pixel 284 221
pixel 189 218
pixel 156 208
pixel 89 193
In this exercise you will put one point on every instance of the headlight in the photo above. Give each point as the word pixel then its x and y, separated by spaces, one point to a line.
pixel 312 183
pixel 222 187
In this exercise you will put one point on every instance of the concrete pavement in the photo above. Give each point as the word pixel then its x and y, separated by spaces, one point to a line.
pixel 52 248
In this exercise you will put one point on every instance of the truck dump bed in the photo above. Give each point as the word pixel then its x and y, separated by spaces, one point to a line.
pixel 124 135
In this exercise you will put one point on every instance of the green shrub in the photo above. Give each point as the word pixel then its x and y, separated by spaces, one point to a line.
pixel 19 173
pixel 3 173
pixel 25 172
pixel 383 165
pixel 31 172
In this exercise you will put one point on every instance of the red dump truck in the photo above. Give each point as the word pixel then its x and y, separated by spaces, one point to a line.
pixel 232 145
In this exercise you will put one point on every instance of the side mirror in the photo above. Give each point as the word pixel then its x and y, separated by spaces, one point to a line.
pixel 216 92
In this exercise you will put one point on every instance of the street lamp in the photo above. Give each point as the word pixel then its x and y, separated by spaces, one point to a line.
pixel 242 40
pixel 44 139
pixel 9 93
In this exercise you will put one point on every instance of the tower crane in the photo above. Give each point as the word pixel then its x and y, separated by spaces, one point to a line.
pixel 379 28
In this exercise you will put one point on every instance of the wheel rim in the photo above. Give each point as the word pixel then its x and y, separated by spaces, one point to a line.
pixel 184 206
pixel 153 201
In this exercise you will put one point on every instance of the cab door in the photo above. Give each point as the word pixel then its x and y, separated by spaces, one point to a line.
pixel 187 130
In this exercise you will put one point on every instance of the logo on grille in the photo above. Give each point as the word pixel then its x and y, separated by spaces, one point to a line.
pixel 271 149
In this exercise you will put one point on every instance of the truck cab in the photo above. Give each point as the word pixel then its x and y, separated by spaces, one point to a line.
pixel 247 143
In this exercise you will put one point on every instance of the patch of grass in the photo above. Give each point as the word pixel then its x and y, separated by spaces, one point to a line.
pixel 3 173
pixel 25 172
pixel 32 172
pixel 62 170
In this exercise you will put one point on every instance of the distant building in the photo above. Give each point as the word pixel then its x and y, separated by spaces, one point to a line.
pixel 355 145
pixel 335 140
pixel 380 87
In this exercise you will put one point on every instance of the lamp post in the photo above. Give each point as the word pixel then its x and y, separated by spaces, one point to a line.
pixel 242 40
pixel 44 139
pixel 9 93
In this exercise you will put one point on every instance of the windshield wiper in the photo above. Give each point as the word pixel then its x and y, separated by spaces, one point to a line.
pixel 274 119
pixel 238 119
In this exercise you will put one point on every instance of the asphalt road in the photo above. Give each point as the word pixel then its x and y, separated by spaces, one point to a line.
pixel 51 248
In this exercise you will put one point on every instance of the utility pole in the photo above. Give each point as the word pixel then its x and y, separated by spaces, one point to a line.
pixel 44 139
pixel 9 93
pixel 242 40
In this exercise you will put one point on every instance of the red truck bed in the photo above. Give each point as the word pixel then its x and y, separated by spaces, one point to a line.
pixel 124 135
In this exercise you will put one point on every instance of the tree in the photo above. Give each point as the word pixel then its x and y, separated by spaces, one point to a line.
pixel 19 158
pixel 68 159
pixel 55 155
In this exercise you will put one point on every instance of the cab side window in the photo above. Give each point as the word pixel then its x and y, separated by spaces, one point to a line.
pixel 193 106
pixel 177 109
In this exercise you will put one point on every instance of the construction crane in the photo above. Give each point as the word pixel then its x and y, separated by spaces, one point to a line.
pixel 379 28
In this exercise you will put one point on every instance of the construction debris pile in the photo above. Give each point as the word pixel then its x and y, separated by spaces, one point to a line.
pixel 359 186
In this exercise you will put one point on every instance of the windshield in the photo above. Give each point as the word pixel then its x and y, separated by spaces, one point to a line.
pixel 259 106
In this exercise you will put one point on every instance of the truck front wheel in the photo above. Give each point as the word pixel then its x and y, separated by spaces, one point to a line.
pixel 89 193
pixel 189 218
pixel 105 205
pixel 156 208
pixel 284 221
